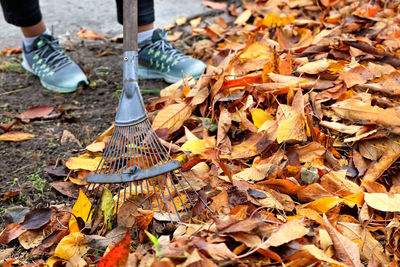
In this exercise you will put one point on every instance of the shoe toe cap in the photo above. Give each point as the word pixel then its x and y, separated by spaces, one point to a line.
pixel 68 79
pixel 196 68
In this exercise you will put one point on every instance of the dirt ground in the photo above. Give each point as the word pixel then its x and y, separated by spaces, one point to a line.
pixel 85 113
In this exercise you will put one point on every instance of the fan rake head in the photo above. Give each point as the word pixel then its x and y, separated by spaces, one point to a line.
pixel 136 164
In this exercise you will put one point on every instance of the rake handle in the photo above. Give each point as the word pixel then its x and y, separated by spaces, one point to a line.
pixel 130 20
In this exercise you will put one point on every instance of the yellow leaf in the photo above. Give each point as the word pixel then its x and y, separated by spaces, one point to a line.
pixel 81 209
pixel 195 22
pixel 52 260
pixel 172 117
pixel 180 20
pixel 383 201
pixel 70 245
pixel 96 147
pixel 195 146
pixel 259 117
pixel 83 162
pixel 291 129
pixel 354 199
pixel 16 136
pixel 255 51
pixel 324 204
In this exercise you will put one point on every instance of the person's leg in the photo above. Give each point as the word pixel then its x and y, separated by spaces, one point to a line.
pixel 42 54
pixel 158 59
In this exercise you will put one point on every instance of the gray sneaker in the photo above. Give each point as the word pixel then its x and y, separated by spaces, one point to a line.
pixel 56 71
pixel 158 59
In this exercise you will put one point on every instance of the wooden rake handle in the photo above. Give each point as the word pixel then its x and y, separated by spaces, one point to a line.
pixel 130 21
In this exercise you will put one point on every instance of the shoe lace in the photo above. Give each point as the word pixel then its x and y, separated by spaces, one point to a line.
pixel 53 55
pixel 167 48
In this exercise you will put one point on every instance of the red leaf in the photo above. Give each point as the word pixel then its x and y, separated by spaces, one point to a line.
pixel 118 256
pixel 11 232
pixel 36 112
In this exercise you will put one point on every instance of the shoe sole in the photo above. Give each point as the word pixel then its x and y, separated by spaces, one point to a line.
pixel 145 73
pixel 49 87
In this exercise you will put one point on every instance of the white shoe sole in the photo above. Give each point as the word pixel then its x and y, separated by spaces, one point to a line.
pixel 144 73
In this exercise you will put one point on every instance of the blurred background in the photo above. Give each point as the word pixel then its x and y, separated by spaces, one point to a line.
pixel 68 16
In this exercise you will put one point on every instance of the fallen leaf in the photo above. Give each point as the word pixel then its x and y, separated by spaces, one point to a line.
pixel 36 218
pixel 96 147
pixel 356 109
pixel 74 243
pixel 83 162
pixel 16 136
pixel 195 22
pixel 66 188
pixel 180 20
pixel 172 117
pixel 287 232
pixel 118 256
pixel 36 112
pixel 357 75
pixel 323 204
pixel 9 51
pixel 383 201
pixel 346 251
pixel 89 34
pixel 314 67
pixel 81 208
pixel 175 36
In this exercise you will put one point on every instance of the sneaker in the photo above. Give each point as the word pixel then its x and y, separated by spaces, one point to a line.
pixel 56 71
pixel 158 59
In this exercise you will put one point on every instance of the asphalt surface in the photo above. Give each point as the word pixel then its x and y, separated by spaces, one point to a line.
pixel 68 16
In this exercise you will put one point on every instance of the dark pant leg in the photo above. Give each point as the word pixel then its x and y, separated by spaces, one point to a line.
pixel 22 13
pixel 145 12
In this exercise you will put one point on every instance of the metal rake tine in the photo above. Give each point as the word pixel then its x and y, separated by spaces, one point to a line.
pixel 165 201
pixel 155 191
pixel 177 192
pixel 172 198
pixel 201 199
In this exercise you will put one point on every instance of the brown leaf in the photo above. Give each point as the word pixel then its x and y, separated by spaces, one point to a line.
pixel 309 152
pixel 11 232
pixel 359 162
pixel 287 232
pixel 357 75
pixel 346 251
pixel 66 188
pixel 172 117
pixel 36 218
pixel 356 109
pixel 391 154
pixel 231 224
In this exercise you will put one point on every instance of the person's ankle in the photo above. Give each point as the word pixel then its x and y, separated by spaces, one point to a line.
pixel 144 37
pixel 28 41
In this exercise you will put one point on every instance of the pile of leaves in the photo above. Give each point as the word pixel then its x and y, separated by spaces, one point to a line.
pixel 291 134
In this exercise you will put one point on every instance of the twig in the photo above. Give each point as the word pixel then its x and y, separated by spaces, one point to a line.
pixel 15 91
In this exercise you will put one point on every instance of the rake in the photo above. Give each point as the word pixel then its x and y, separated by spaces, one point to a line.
pixel 135 162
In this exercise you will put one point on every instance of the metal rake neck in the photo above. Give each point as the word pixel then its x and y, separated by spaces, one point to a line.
pixel 131 109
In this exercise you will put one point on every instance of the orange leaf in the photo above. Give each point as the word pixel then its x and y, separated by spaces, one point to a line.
pixel 244 81
pixel 89 34
pixel 282 185
pixel 118 256
pixel 15 136
pixel 8 51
